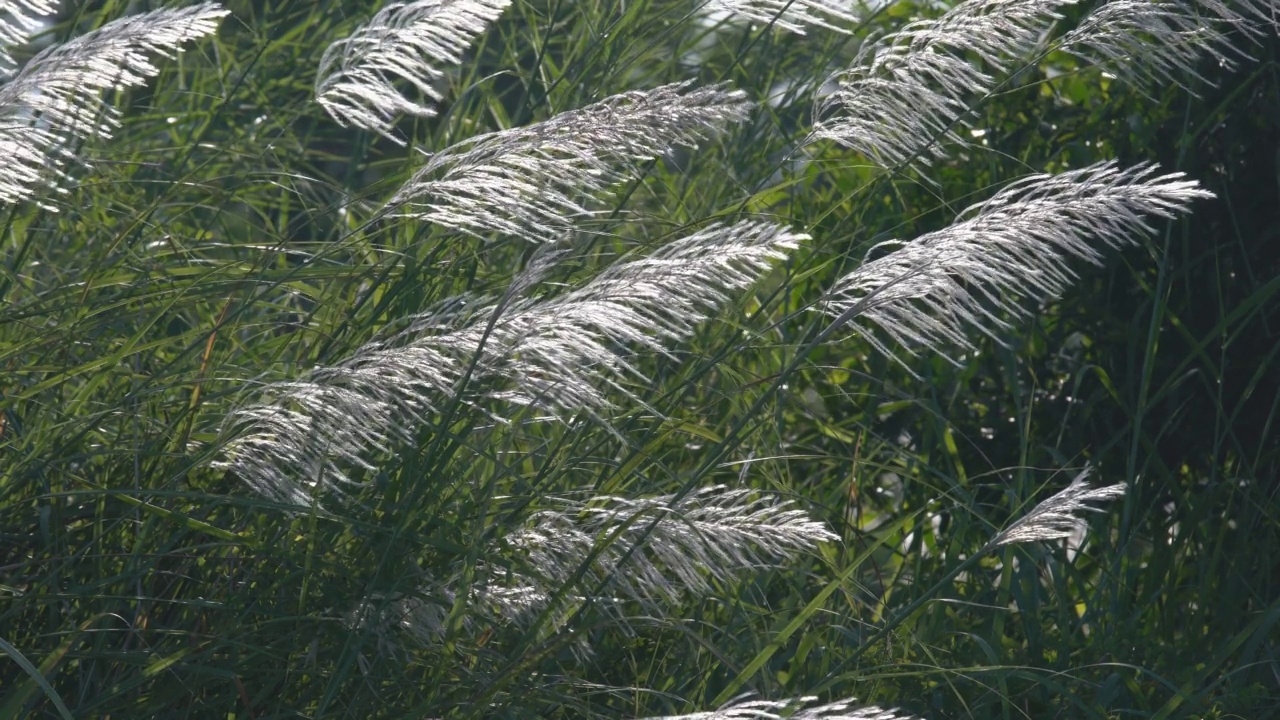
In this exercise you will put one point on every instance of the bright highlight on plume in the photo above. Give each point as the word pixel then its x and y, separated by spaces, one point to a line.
pixel 795 709
pixel 1003 256
pixel 905 96
pixel 794 15
pixel 56 99
pixel 654 549
pixel 404 42
pixel 18 19
pixel 529 182
pixel 1057 517
pixel 566 354
pixel 1154 42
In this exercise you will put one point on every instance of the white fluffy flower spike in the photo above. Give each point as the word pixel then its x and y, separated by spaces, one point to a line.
pixel 793 15
pixel 1058 516
pixel 905 94
pixel 56 98
pixel 1154 42
pixel 552 353
pixel 355 82
pixel 530 182
pixel 1013 247
pixel 18 19
pixel 660 548
pixel 795 709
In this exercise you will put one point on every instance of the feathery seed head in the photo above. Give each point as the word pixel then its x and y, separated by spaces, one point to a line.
pixel 650 550
pixel 793 15
pixel 18 19
pixel 56 98
pixel 1057 517
pixel 529 182
pixel 552 353
pixel 1016 245
pixel 909 90
pixel 1151 42
pixel 794 709
pixel 355 82
pixel 653 549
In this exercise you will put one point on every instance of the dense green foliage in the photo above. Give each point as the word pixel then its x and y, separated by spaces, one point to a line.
pixel 228 237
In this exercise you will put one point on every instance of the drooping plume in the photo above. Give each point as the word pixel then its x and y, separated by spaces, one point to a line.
pixel 1058 516
pixel 404 42
pixel 56 99
pixel 656 549
pixel 535 182
pixel 553 353
pixel 18 19
pixel 793 15
pixel 906 94
pixel 1002 253
pixel 794 709
pixel 1154 42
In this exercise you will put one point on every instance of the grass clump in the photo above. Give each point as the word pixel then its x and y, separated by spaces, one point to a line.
pixel 457 358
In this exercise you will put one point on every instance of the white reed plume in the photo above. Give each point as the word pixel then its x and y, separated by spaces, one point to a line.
pixel 657 549
pixel 18 19
pixel 793 15
pixel 1262 12
pixel 551 353
pixel 530 182
pixel 1057 517
pixel 356 79
pixel 909 91
pixel 57 97
pixel 794 709
pixel 567 344
pixel 1015 246
pixel 648 549
pixel 1151 42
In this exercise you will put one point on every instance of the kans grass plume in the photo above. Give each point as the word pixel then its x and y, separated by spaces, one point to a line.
pixel 406 42
pixel 1058 516
pixel 18 19
pixel 1017 246
pixel 552 353
pixel 795 709
pixel 652 550
pixel 906 94
pixel 656 551
pixel 793 15
pixel 535 182
pixel 56 99
pixel 1155 42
